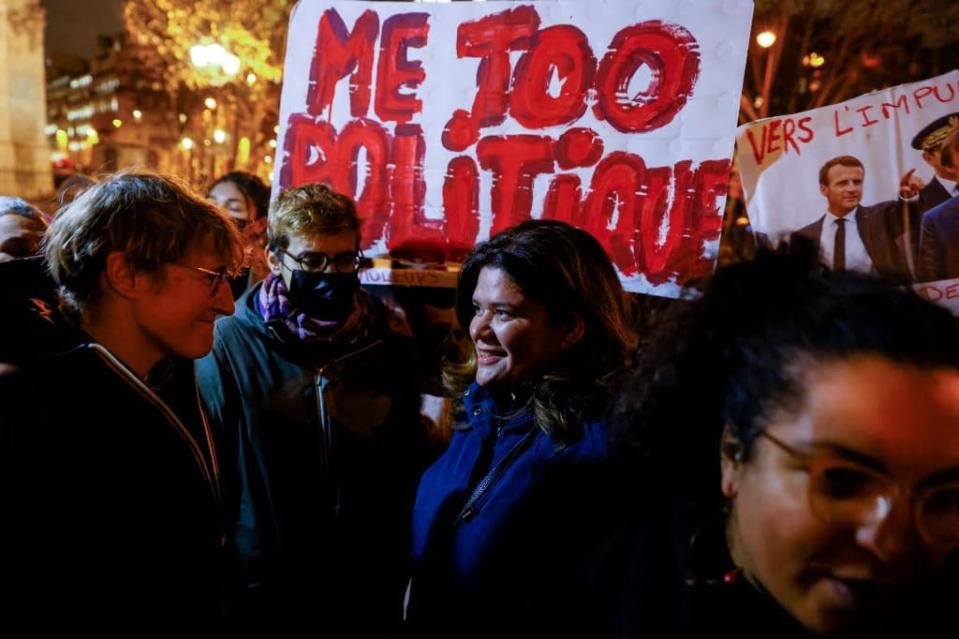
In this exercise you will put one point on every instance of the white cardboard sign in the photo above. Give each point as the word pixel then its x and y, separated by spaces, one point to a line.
pixel 450 122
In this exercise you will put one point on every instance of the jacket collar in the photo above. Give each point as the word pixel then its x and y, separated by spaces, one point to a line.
pixel 482 412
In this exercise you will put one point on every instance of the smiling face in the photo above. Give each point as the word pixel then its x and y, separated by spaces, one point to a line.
pixel 843 188
pixel 895 420
pixel 514 336
pixel 175 317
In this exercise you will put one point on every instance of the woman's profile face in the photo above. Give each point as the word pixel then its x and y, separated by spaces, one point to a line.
pixel 232 200
pixel 514 337
pixel 844 505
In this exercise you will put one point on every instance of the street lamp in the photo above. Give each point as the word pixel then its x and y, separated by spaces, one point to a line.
pixel 213 58
pixel 219 67
pixel 766 39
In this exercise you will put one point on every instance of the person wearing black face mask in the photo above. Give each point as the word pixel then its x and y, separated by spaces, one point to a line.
pixel 318 400
pixel 322 294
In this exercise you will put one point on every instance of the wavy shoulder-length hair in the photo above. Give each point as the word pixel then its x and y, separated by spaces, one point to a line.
pixel 567 271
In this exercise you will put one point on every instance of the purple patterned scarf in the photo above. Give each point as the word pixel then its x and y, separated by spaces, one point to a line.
pixel 275 306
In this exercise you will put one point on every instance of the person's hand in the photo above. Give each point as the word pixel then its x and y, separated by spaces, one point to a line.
pixel 910 185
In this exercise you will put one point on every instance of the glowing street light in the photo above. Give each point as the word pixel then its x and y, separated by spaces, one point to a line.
pixel 209 103
pixel 219 136
pixel 186 144
pixel 766 39
pixel 213 56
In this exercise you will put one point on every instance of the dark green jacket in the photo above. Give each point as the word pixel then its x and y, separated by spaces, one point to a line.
pixel 327 447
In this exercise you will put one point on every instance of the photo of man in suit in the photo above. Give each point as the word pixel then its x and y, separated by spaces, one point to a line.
pixel 917 196
pixel 851 236
pixel 939 238
pixel 931 141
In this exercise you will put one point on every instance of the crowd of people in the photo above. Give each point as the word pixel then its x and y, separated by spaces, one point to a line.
pixel 207 420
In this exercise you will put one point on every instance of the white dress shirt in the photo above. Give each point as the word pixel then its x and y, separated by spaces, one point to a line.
pixel 857 258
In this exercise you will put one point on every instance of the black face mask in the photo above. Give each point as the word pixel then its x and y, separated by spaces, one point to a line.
pixel 325 296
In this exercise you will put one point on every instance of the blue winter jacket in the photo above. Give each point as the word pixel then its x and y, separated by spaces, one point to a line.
pixel 474 534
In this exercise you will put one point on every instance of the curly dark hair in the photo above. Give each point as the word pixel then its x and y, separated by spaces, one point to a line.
pixel 251 186
pixel 567 271
pixel 727 359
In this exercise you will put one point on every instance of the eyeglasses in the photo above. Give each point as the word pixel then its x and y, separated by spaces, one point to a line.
pixel 844 492
pixel 345 262
pixel 215 278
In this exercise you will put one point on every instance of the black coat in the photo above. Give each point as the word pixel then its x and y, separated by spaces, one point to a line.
pixel 30 322
pixel 666 573
pixel 111 497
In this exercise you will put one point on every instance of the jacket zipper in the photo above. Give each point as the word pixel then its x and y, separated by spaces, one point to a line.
pixel 212 478
pixel 471 508
pixel 326 427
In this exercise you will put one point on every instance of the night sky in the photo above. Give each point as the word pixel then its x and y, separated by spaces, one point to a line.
pixel 73 25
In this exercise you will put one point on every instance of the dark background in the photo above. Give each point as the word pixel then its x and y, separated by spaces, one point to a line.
pixel 73 25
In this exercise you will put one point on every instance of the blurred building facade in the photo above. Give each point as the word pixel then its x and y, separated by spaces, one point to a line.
pixel 25 168
pixel 107 114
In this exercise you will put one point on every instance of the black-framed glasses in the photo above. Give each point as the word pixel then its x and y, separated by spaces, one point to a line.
pixel 215 278
pixel 845 492
pixel 316 262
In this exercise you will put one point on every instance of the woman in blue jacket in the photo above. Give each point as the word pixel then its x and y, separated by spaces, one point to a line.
pixel 550 327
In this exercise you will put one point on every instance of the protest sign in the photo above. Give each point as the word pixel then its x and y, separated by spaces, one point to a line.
pixel 863 180
pixel 448 123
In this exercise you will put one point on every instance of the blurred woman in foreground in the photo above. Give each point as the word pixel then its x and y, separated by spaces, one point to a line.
pixel 831 404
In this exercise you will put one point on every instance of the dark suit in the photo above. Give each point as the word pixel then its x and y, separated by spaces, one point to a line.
pixel 881 229
pixel 931 196
pixel 939 243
